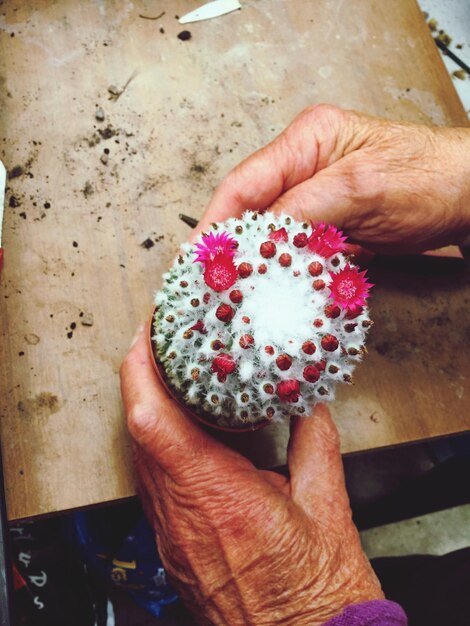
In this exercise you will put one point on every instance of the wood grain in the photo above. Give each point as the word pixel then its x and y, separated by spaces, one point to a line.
pixel 192 111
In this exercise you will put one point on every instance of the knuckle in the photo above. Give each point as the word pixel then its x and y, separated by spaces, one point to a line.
pixel 323 113
pixel 141 422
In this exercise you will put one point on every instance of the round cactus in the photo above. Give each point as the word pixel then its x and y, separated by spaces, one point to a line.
pixel 260 320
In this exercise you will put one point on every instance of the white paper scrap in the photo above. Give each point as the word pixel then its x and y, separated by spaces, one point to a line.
pixel 207 11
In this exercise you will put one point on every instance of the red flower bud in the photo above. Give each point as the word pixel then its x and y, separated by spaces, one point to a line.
pixel 320 365
pixel 315 268
pixel 349 328
pixel 311 374
pixel 353 313
pixel 244 270
pixel 223 363
pixel 199 326
pixel 309 347
pixel 288 390
pixel 217 345
pixel 206 297
pixel 300 240
pixel 224 313
pixel 246 319
pixel 246 341
pixel 279 235
pixel 269 350
pixel 318 323
pixel 332 311
pixel 235 296
pixel 268 388
pixel 285 259
pixel 318 284
pixel 283 362
pixel 329 343
pixel 267 249
pixel 262 269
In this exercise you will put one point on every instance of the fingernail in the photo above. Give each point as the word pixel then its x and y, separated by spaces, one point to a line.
pixel 138 332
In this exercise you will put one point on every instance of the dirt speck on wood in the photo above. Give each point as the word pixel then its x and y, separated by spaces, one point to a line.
pixel 184 35
pixel 147 244
pixel 99 114
pixel 16 171
pixel 88 190
pixel 40 406
pixel 87 319
pixel 32 339
pixel 108 132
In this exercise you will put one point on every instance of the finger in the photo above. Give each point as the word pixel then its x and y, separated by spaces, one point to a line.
pixel 315 139
pixel 337 195
pixel 315 465
pixel 155 421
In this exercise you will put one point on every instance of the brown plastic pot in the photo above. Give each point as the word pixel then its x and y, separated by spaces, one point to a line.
pixel 187 410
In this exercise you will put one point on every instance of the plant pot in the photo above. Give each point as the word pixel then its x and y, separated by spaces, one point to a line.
pixel 199 416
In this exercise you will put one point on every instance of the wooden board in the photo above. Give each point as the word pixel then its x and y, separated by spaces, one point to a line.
pixel 74 225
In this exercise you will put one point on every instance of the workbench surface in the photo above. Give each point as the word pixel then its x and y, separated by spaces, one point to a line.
pixel 84 195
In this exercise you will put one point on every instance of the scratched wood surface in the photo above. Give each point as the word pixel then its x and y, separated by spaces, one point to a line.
pixel 84 195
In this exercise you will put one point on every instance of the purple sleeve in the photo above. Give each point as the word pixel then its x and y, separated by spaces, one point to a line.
pixel 373 613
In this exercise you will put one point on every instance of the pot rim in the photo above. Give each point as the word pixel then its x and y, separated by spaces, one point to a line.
pixel 187 410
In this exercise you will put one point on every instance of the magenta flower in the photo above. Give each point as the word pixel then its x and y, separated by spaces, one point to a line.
pixel 349 287
pixel 220 273
pixel 326 240
pixel 214 245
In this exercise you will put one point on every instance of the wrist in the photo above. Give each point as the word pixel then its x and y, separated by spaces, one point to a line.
pixel 456 174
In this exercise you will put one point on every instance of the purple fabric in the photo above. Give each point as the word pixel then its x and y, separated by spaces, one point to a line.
pixel 373 613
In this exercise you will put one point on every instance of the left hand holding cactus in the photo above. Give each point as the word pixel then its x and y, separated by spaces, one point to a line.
pixel 245 546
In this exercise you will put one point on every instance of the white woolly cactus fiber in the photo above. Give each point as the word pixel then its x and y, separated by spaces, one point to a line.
pixel 260 320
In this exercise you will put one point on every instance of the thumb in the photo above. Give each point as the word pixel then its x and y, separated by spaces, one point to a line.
pixel 336 195
pixel 315 466
pixel 155 421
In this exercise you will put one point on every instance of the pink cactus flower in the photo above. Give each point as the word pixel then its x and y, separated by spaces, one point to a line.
pixel 214 245
pixel 220 273
pixel 349 287
pixel 326 240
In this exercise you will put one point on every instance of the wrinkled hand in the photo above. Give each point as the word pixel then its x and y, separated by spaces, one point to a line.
pixel 392 187
pixel 241 545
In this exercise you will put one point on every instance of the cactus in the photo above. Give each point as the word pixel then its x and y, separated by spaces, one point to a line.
pixel 260 320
